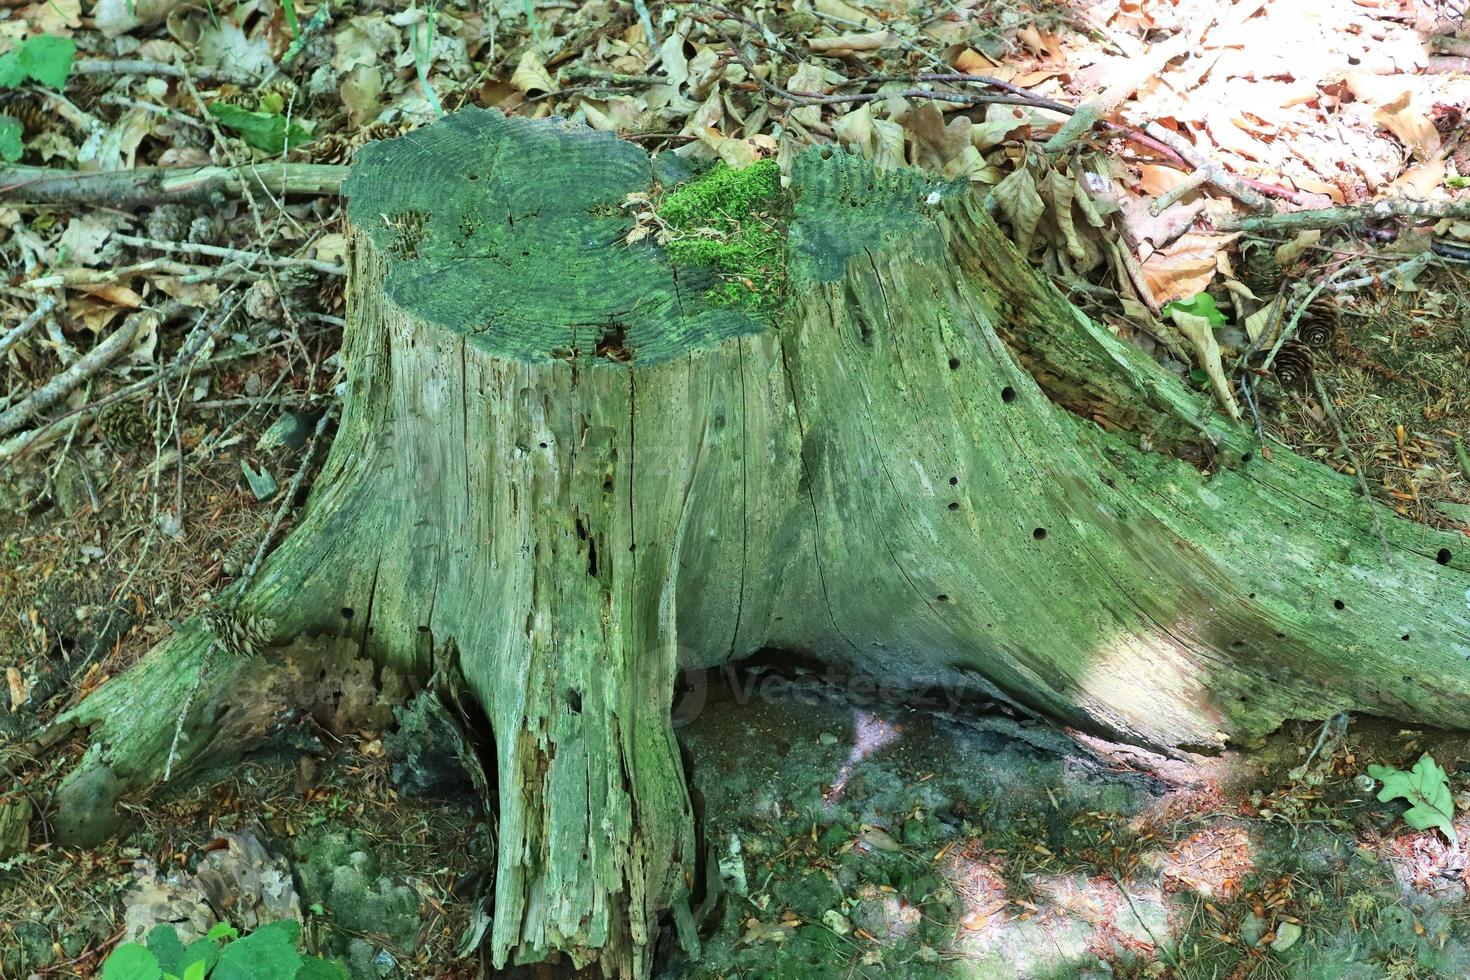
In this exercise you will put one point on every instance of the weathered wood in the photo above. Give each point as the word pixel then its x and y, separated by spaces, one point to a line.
pixel 566 466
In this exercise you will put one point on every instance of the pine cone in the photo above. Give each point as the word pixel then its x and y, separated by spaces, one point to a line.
pixel 25 109
pixel 239 634
pixel 125 424
pixel 1319 322
pixel 1293 366
pixel 1258 267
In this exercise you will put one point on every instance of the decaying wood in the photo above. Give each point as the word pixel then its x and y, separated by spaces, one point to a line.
pixel 564 472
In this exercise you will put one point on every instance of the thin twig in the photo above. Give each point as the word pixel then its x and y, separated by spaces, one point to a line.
pixel 215 251
pixel 1351 214
pixel 24 327
pixel 124 66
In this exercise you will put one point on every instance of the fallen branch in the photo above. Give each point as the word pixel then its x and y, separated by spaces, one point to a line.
pixel 84 367
pixel 215 251
pixel 111 66
pixel 148 186
pixel 1327 217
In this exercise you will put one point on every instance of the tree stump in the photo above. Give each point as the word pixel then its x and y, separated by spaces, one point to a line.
pixel 573 461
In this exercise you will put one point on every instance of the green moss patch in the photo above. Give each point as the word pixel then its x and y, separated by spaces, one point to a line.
pixel 731 221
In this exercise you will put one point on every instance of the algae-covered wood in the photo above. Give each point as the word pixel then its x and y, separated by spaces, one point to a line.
pixel 572 462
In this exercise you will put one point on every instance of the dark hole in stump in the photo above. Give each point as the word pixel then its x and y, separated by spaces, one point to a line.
pixel 1444 556
pixel 954 363
pixel 954 505
pixel 1338 604
pixel 1039 533
pixel 346 612
pixel 1008 394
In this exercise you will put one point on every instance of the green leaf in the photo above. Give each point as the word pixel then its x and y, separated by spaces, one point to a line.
pixel 319 969
pixel 131 961
pixel 1426 787
pixel 47 58
pixel 1202 304
pixel 265 131
pixel 10 134
pixel 222 930
pixel 195 971
pixel 268 953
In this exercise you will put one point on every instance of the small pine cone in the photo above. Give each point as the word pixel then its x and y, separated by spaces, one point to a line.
pixel 1319 323
pixel 245 98
pixel 1258 267
pixel 1293 366
pixel 376 131
pixel 168 222
pixel 239 634
pixel 238 556
pixel 125 424
pixel 333 148
pixel 298 285
pixel 25 109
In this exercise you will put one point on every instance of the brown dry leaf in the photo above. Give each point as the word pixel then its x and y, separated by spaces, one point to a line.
pixel 196 294
pixel 1413 128
pixel 1021 205
pixel 1059 191
pixel 1156 179
pixel 807 79
pixel 737 154
pixel 115 294
pixel 53 16
pixel 843 44
pixel 1421 180
pixel 845 11
pixel 1184 268
pixel 531 75
pixel 360 92
pixel 933 143
pixel 1292 250
pixel 972 62
pixel 20 691
pixel 1313 186
pixel 115 17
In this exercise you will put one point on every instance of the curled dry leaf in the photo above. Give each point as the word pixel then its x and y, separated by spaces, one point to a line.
pixel 850 43
pixel 116 17
pixel 1184 268
pixel 531 75
pixel 20 691
pixel 1207 355
pixel 1022 206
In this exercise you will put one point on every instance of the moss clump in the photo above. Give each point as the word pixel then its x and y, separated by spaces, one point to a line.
pixel 731 221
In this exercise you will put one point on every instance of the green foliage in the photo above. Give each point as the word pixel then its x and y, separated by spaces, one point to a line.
pixel 268 953
pixel 10 134
pixel 1201 305
pixel 728 220
pixel 44 58
pixel 1426 787
pixel 267 131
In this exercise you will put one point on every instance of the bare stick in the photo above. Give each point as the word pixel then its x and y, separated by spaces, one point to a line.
pixel 214 251
pixel 1215 174
pixel 1327 217
pixel 21 329
pixel 147 186
pixel 110 66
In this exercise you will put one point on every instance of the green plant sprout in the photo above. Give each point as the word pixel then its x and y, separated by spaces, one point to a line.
pixel 268 953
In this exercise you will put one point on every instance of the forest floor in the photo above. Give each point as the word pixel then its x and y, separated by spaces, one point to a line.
pixel 163 361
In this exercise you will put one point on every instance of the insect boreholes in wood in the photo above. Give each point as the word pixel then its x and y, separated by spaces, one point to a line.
pixel 583 534
pixel 613 344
